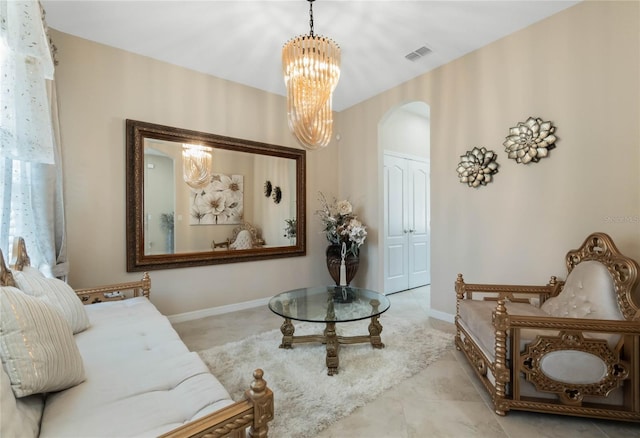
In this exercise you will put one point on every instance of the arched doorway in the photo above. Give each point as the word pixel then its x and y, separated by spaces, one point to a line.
pixel 404 139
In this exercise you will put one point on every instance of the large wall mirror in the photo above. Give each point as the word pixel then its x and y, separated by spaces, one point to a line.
pixel 195 198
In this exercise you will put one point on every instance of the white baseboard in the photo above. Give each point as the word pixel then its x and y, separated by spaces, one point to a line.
pixel 211 311
pixel 437 314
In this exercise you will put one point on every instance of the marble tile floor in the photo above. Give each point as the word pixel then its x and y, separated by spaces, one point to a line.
pixel 444 400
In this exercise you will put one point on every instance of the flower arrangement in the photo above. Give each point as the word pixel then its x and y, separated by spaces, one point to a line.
pixel 341 225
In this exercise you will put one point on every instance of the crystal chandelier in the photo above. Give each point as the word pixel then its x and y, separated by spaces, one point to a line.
pixel 196 165
pixel 311 67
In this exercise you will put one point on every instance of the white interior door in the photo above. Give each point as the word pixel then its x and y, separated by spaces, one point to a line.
pixel 419 273
pixel 406 224
pixel 396 232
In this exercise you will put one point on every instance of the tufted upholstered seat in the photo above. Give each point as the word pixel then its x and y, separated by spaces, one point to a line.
pixel 243 241
pixel 245 236
pixel 160 386
pixel 575 354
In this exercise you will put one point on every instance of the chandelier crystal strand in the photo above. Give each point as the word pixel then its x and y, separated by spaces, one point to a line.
pixel 311 67
pixel 196 166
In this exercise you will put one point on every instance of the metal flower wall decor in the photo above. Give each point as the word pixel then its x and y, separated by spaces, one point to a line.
pixel 531 140
pixel 477 167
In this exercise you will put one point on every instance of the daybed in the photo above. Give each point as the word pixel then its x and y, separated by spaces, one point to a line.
pixel 114 368
pixel 571 347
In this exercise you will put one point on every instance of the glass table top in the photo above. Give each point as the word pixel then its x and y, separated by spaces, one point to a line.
pixel 329 303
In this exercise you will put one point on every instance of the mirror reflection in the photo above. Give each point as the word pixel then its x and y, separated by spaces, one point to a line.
pixel 209 199
pixel 195 197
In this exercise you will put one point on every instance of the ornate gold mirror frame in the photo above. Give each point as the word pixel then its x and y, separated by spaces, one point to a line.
pixel 140 134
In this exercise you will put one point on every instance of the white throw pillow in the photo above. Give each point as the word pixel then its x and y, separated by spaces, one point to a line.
pixel 56 293
pixel 31 271
pixel 37 347
pixel 19 417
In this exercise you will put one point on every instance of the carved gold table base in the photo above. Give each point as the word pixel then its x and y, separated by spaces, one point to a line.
pixel 332 340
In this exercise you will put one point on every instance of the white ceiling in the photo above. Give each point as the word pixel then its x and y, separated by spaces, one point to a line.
pixel 242 40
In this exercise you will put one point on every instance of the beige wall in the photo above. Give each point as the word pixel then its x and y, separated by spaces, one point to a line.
pixel 98 88
pixel 579 69
pixel 407 130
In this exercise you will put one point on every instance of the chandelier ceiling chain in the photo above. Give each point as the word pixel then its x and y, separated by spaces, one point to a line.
pixel 311 68
pixel 311 17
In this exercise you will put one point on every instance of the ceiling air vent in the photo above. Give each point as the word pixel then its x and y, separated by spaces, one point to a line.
pixel 418 53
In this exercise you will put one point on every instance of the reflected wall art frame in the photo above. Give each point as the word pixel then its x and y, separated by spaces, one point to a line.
pixel 139 135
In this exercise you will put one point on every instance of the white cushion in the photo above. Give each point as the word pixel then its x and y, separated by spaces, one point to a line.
pixel 573 367
pixel 243 241
pixel 126 328
pixel 146 397
pixel 587 293
pixel 475 316
pixel 30 270
pixel 138 371
pixel 56 293
pixel 37 346
pixel 18 417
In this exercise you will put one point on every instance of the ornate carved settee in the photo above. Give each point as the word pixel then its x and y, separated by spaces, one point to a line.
pixel 114 367
pixel 569 347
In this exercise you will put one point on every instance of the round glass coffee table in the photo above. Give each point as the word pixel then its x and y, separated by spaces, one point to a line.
pixel 330 305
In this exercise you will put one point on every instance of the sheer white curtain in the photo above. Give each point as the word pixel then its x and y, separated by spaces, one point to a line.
pixel 30 160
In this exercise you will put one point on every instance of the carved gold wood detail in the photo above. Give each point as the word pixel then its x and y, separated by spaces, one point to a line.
pixel 500 320
pixel 103 293
pixel 585 325
pixel 287 329
pixel 333 347
pixel 509 292
pixel 262 399
pixel 582 411
pixel 475 357
pixel 481 365
pixel 246 418
pixel 569 393
pixel 20 253
pixel 332 340
pixel 6 277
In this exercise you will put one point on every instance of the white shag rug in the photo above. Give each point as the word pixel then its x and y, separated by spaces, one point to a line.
pixel 306 399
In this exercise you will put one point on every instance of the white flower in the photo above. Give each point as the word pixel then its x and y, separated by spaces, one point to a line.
pixel 213 203
pixel 357 232
pixel 344 208
pixel 232 187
